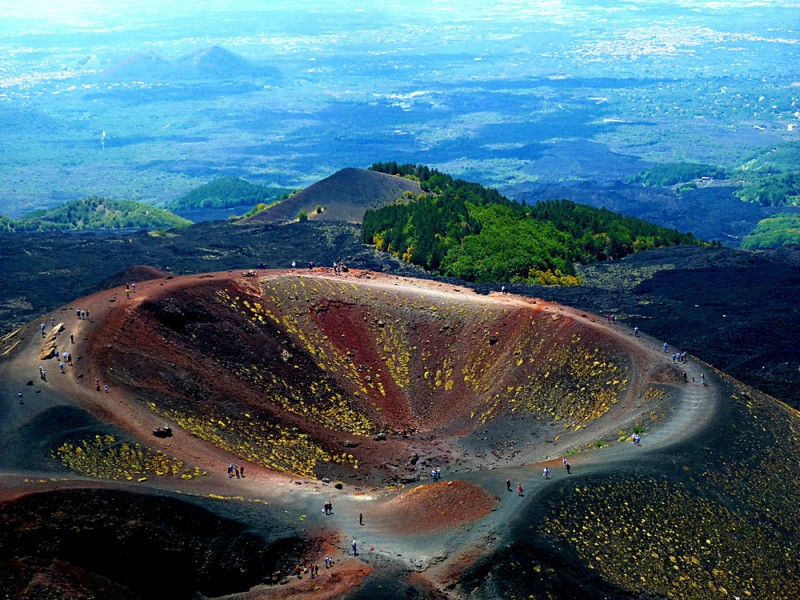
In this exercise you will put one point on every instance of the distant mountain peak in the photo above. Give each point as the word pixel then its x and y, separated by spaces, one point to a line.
pixel 344 196
pixel 211 62
pixel 215 60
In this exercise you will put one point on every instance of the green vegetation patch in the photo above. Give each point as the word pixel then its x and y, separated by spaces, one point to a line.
pixel 97 213
pixel 228 192
pixel 105 458
pixel 258 441
pixel 781 189
pixel 465 230
pixel 779 158
pixel 774 232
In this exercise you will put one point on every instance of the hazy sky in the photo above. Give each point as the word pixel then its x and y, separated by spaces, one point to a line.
pixel 98 13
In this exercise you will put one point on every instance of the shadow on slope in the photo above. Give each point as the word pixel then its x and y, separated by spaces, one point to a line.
pixel 75 543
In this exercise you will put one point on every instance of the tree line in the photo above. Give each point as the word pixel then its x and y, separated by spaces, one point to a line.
pixel 95 212
pixel 462 229
pixel 228 192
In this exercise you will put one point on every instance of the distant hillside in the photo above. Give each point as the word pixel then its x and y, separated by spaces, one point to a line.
pixel 226 193
pixel 781 230
pixel 217 63
pixel 344 196
pixel 210 63
pixel 669 174
pixel 97 213
pixel 780 158
pixel 465 230
pixel 143 66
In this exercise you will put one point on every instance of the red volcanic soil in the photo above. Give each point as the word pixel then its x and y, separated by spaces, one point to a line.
pixel 432 507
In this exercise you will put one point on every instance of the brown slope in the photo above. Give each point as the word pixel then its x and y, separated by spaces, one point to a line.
pixel 346 195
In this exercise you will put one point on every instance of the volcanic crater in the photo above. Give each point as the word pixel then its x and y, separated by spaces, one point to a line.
pixel 410 406
pixel 356 377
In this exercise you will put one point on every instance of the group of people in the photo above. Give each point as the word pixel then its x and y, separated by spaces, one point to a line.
pixel 680 357
pixel 545 474
pixel 436 473
pixel 313 570
pixel 63 358
pixel 328 508
pixel 235 471
pixel 637 439
pixel 82 314
pixel 338 266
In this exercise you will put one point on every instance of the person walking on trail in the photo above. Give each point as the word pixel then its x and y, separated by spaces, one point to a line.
pixel 519 490
pixel 569 468
pixel 702 379
pixel 360 518
pixel 355 548
pixel 546 473
pixel 636 332
pixel 508 484
pixel 20 398
pixel 666 347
